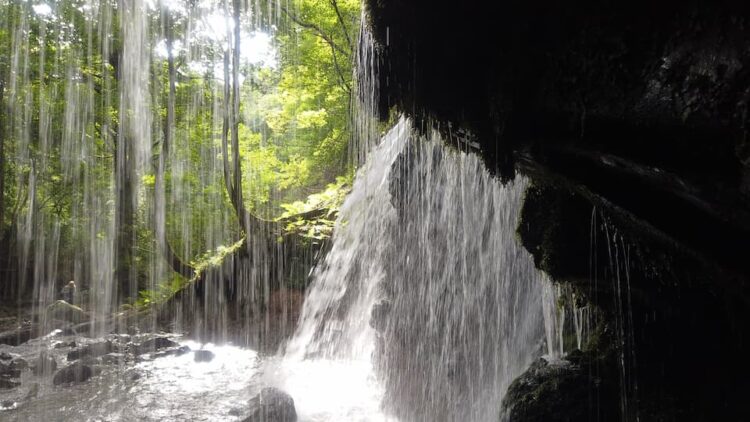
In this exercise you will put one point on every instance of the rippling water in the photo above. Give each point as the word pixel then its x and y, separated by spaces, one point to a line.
pixel 171 388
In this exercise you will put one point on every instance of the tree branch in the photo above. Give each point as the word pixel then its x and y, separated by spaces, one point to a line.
pixel 319 32
pixel 339 72
pixel 335 6
pixel 162 242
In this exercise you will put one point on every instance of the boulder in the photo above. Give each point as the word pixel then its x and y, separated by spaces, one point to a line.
pixel 20 335
pixel 6 384
pixel 5 356
pixel 73 374
pixel 13 369
pixel 8 371
pixel 113 359
pixel 204 356
pixel 92 350
pixel 63 345
pixel 8 405
pixel 560 391
pixel 19 363
pixel 64 311
pixel 134 375
pixel 44 364
pixel 175 351
pixel 90 361
pixel 153 345
pixel 272 405
pixel 33 392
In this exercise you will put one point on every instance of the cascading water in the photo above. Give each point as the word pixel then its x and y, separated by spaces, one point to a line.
pixel 426 307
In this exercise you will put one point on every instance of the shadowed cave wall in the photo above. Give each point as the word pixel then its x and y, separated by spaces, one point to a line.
pixel 631 120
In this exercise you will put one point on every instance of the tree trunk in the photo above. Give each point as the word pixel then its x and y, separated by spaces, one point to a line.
pixel 235 121
pixel 230 123
pixel 5 286
pixel 165 248
pixel 3 117
pixel 125 274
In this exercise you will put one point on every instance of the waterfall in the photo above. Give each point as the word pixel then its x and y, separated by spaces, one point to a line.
pixel 425 308
pixel 426 295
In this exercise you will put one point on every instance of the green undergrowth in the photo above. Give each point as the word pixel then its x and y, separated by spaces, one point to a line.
pixel 311 220
pixel 167 289
pixel 315 218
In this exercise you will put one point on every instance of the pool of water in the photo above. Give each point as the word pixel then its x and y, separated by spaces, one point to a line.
pixel 177 388
pixel 170 388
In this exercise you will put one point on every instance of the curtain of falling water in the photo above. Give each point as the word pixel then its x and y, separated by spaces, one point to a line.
pixel 427 282
pixel 365 123
pixel 134 135
pixel 235 292
pixel 62 150
pixel 106 73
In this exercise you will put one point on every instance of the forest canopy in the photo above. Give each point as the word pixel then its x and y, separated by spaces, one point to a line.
pixel 128 127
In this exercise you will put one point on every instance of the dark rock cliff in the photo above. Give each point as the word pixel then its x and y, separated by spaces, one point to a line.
pixel 632 120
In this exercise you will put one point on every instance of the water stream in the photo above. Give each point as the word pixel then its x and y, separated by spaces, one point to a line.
pixel 427 307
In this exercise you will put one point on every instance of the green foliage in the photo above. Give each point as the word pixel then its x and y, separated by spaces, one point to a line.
pixel 300 114
pixel 163 292
pixel 215 258
pixel 315 218
pixel 61 128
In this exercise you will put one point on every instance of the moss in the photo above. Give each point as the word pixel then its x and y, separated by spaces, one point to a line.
pixel 575 389
pixel 549 217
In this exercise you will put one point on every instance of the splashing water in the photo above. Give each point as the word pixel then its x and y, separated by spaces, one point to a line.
pixel 171 388
pixel 426 308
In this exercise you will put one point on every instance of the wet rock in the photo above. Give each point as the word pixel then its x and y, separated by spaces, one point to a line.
pixel 135 375
pixel 6 372
pixel 63 345
pixel 176 351
pixel 44 364
pixel 67 331
pixel 8 405
pixel 272 405
pixel 379 315
pixel 560 392
pixel 62 327
pixel 5 356
pixel 19 335
pixel 204 356
pixel 6 384
pixel 33 392
pixel 93 350
pixel 19 364
pixel 153 345
pixel 90 361
pixel 113 359
pixel 72 374
pixel 64 311
pixel 575 357
pixel 91 328
pixel 120 338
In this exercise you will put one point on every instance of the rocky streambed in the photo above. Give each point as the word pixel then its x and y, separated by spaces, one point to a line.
pixel 144 377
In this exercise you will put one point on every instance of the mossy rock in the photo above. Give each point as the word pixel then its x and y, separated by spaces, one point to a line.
pixel 579 388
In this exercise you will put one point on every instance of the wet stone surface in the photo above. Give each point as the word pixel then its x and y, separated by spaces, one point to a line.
pixel 145 377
